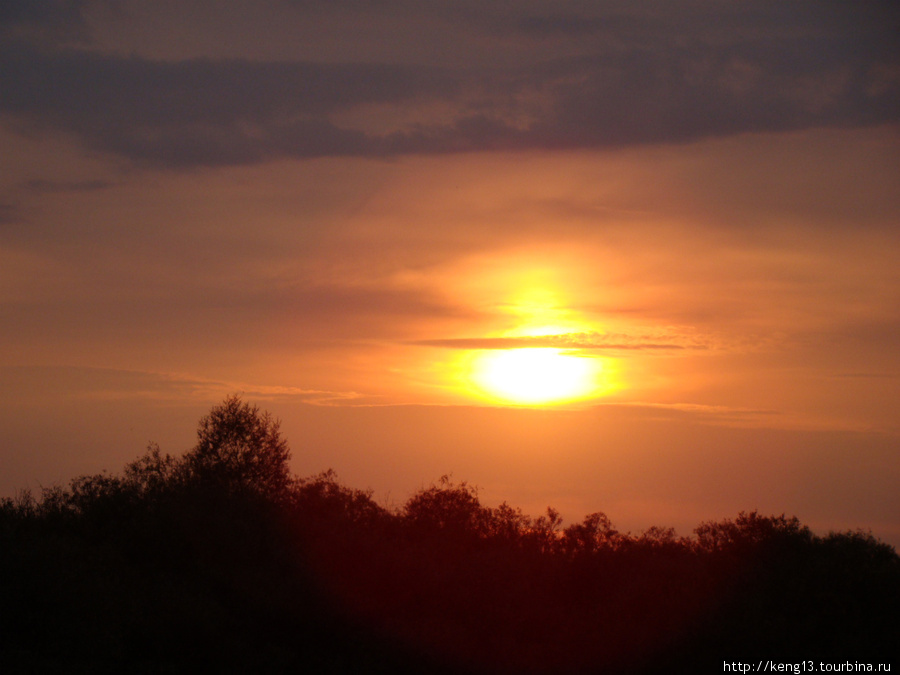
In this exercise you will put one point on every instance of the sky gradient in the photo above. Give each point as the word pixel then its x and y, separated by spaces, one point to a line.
pixel 342 210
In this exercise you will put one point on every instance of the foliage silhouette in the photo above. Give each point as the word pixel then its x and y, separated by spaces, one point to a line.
pixel 241 449
pixel 222 558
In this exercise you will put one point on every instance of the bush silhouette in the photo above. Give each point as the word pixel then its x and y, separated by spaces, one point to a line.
pixel 222 558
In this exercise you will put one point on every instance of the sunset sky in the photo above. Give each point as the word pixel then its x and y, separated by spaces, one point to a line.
pixel 630 257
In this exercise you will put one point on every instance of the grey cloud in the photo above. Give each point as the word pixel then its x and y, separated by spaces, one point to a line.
pixel 45 22
pixel 651 95
pixel 204 111
pixel 45 186
pixel 549 25
pixel 654 75
pixel 8 214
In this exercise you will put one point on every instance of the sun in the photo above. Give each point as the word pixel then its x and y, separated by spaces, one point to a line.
pixel 535 376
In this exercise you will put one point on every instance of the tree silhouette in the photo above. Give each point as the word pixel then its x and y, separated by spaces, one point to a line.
pixel 589 536
pixel 750 531
pixel 221 559
pixel 152 473
pixel 452 509
pixel 239 448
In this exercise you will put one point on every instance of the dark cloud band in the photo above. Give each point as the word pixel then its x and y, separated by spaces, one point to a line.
pixel 635 78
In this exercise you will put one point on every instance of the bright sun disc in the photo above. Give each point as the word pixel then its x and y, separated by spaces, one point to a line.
pixel 535 376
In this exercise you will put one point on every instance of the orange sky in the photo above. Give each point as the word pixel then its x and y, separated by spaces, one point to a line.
pixel 712 263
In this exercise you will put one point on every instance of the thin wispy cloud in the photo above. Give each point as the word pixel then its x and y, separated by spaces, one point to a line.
pixel 108 384
pixel 578 341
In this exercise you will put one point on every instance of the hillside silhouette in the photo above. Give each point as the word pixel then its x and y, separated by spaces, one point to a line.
pixel 223 559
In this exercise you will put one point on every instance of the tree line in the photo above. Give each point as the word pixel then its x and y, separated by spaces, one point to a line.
pixel 222 558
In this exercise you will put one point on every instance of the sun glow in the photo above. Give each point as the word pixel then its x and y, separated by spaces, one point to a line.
pixel 538 376
pixel 535 344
